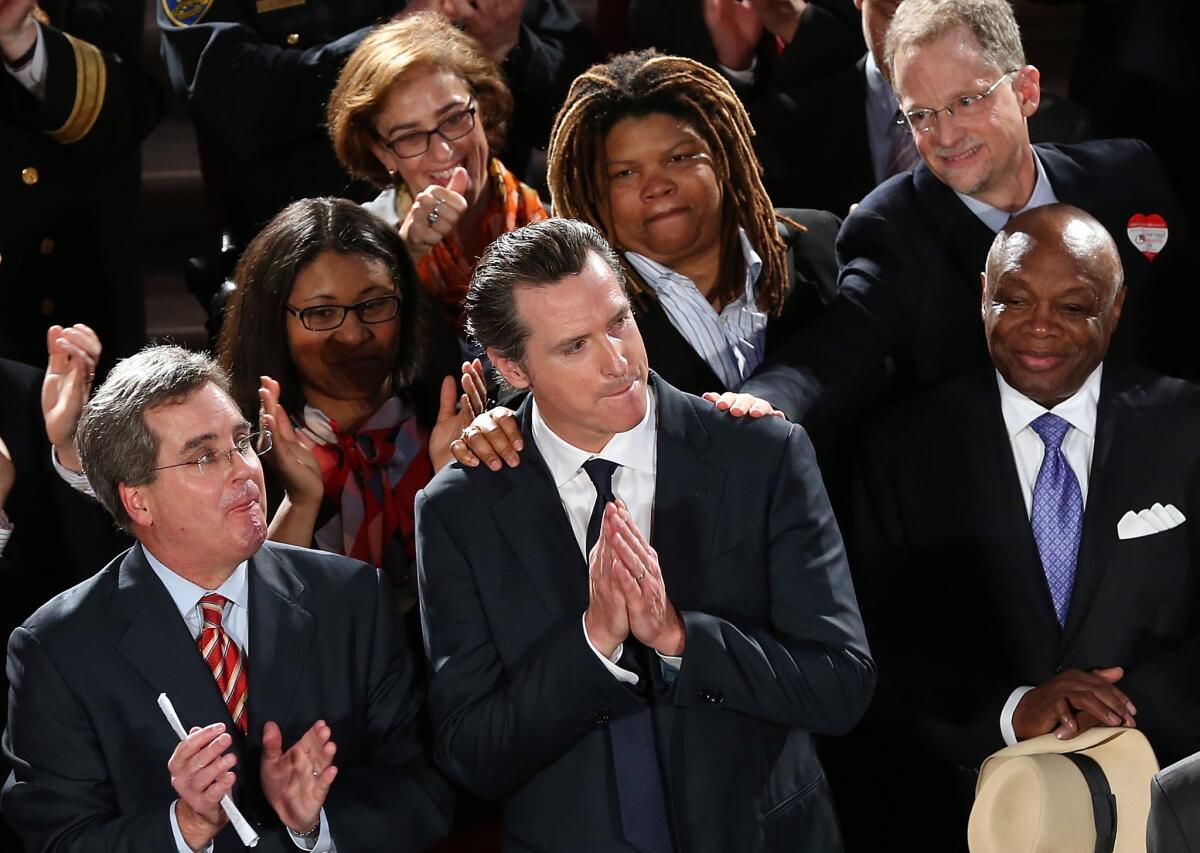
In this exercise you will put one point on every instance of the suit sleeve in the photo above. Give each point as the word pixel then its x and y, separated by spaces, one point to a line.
pixel 929 688
pixel 811 667
pixel 58 795
pixel 96 104
pixel 396 794
pixel 496 727
pixel 255 97
pixel 828 370
pixel 1164 834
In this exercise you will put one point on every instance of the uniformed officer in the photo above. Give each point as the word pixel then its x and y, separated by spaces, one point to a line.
pixel 66 104
pixel 257 73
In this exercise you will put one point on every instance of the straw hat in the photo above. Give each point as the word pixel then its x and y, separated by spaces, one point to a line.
pixel 1036 797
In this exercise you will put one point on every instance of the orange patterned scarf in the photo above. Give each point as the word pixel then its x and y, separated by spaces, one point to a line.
pixel 446 270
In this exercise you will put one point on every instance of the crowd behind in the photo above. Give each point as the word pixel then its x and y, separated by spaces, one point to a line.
pixel 864 218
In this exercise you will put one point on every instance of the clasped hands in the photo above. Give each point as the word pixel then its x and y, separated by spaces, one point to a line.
pixel 295 782
pixel 1072 702
pixel 626 591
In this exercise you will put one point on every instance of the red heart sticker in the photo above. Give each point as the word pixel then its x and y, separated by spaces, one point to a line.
pixel 1148 233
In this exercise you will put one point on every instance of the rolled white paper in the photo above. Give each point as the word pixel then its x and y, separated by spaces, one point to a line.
pixel 249 836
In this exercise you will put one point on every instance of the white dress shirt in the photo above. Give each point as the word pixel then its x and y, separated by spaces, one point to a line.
pixel 1079 410
pixel 733 342
pixel 995 218
pixel 235 619
pixel 635 451
pixel 32 75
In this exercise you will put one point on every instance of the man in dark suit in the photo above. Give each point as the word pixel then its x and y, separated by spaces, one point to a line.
pixel 910 253
pixel 1174 825
pixel 1023 536
pixel 298 663
pixel 620 696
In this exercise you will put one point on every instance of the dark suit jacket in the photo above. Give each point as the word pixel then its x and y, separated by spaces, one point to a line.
pixel 89 745
pixel 953 591
pixel 775 650
pixel 909 295
pixel 812 283
pixel 956 602
pixel 1174 825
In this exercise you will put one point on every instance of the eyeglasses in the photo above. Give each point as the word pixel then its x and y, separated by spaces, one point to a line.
pixel 452 127
pixel 247 447
pixel 326 318
pixel 923 121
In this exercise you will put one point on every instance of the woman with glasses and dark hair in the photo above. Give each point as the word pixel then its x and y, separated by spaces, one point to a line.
pixel 418 110
pixel 332 338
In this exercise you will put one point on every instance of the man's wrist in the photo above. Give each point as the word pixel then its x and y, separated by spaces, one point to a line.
pixel 18 47
pixel 68 458
pixel 605 645
pixel 197 831
pixel 672 643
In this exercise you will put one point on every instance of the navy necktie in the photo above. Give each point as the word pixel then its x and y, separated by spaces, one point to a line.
pixel 1057 514
pixel 640 794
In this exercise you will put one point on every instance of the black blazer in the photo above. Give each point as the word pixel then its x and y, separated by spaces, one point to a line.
pixel 89 746
pixel 1174 825
pixel 909 296
pixel 953 591
pixel 775 650
pixel 812 283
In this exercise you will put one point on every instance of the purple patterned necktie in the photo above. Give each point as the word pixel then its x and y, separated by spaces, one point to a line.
pixel 1057 515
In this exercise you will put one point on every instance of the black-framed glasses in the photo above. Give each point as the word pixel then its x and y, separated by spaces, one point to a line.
pixel 209 462
pixel 326 318
pixel 923 120
pixel 416 142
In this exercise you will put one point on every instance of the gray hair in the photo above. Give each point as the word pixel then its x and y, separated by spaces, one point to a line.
pixel 113 440
pixel 919 22
pixel 535 256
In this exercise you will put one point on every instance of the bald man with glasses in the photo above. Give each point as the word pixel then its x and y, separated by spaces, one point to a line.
pixel 281 662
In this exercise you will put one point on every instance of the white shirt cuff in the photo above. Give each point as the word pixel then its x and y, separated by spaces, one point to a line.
pixel 673 661
pixel 77 480
pixel 32 76
pixel 745 77
pixel 6 530
pixel 180 844
pixel 1006 715
pixel 324 842
pixel 619 673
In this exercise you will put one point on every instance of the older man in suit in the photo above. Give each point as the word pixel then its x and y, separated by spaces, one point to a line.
pixel 619 695
pixel 1023 535
pixel 911 252
pixel 283 662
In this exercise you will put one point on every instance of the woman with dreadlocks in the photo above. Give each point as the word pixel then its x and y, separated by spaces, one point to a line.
pixel 655 152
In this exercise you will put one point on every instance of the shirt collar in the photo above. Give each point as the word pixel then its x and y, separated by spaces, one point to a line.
pixel 995 218
pixel 882 105
pixel 656 274
pixel 1079 410
pixel 631 449
pixel 186 594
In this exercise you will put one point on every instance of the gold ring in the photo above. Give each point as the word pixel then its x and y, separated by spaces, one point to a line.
pixel 316 774
pixel 642 575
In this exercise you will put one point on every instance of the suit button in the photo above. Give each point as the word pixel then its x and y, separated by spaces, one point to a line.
pixel 29 176
pixel 293 39
pixel 600 719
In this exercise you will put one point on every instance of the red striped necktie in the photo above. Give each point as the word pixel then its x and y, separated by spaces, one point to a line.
pixel 224 658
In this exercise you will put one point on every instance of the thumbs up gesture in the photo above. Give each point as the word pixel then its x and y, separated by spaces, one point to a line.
pixel 435 213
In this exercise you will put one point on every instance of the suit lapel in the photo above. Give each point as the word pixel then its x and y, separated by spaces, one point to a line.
pixel 532 519
pixel 1117 426
pixel 960 231
pixel 687 496
pixel 995 484
pixel 281 632
pixel 158 645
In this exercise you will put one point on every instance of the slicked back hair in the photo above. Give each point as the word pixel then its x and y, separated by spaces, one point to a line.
pixel 537 255
pixel 635 85
pixel 919 22
pixel 114 442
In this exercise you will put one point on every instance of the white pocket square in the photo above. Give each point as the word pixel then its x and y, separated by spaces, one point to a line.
pixel 1156 519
